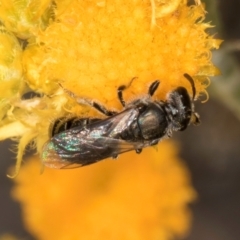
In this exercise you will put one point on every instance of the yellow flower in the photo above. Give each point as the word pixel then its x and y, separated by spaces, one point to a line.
pixel 25 17
pixel 131 198
pixel 93 47
pixel 11 69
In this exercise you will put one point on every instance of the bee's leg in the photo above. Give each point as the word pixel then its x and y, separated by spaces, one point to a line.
pixel 138 151
pixel 91 103
pixel 102 109
pixel 120 96
pixel 121 89
pixel 153 87
pixel 115 156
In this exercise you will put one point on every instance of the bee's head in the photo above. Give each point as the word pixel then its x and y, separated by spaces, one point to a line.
pixel 180 107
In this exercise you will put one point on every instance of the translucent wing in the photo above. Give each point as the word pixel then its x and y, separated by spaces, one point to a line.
pixel 83 146
pixel 92 151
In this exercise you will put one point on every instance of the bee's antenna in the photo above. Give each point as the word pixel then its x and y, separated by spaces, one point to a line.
pixel 190 79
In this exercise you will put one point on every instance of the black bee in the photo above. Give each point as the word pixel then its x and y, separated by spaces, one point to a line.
pixel 144 122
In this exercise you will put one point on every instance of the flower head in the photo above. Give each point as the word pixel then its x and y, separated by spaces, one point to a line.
pixel 93 47
pixel 90 48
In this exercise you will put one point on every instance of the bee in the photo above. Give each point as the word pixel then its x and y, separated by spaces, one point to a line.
pixel 143 122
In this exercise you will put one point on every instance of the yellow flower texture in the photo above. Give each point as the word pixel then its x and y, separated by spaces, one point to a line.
pixel 132 198
pixel 91 48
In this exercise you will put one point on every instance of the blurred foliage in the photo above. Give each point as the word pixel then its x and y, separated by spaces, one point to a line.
pixel 225 87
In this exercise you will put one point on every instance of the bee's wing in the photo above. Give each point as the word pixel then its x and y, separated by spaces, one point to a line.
pixel 83 146
pixel 93 150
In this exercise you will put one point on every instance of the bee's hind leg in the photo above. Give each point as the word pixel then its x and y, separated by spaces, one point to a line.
pixel 138 151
